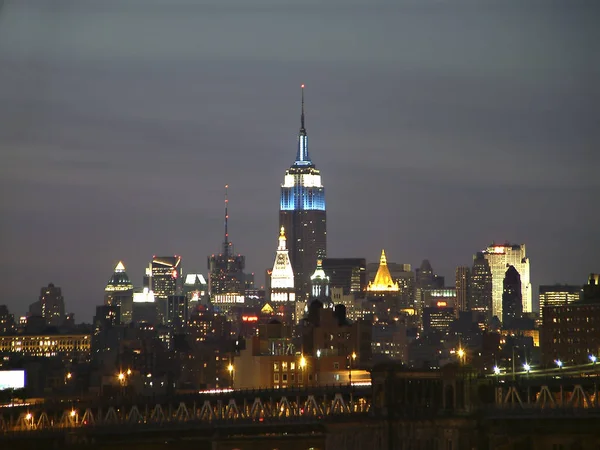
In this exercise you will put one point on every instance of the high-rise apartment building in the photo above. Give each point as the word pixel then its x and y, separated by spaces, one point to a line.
pixel 350 274
pixel 558 295
pixel 512 298
pixel 119 293
pixel 463 280
pixel 500 258
pixel 302 213
pixel 226 278
pixel 480 287
pixel 50 306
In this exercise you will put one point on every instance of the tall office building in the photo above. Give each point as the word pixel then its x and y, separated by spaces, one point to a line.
pixel 558 295
pixel 480 287
pixel 512 298
pixel 463 275
pixel 166 281
pixel 282 275
pixel 500 258
pixel 349 274
pixel 302 213
pixel 226 278
pixel 50 306
pixel 424 279
pixel 119 293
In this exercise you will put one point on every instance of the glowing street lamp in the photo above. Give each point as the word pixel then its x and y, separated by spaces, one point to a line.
pixel 230 370
pixel 128 371
pixel 69 376
pixel 593 358
pixel 461 355
pixel 527 367
pixel 559 363
pixel 121 376
pixel 496 370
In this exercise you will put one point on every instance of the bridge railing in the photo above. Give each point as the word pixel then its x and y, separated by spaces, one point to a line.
pixel 303 406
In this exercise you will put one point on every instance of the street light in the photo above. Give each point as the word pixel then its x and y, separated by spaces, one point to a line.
pixel 302 365
pixel 230 369
pixel 559 363
pixel 527 367
pixel 496 370
pixel 128 371
pixel 593 358
pixel 461 355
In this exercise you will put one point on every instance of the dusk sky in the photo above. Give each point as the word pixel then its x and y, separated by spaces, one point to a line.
pixel 439 126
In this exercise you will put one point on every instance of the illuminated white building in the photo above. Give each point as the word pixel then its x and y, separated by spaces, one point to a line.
pixel 319 281
pixel 282 277
pixel 500 258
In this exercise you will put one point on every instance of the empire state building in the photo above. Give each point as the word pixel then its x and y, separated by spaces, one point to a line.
pixel 302 213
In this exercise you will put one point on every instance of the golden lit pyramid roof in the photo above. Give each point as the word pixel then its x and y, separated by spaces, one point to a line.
pixel 383 280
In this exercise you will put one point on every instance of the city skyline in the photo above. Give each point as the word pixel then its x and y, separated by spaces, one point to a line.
pixel 111 154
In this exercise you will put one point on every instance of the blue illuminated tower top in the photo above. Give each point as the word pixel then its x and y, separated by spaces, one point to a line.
pixel 302 158
pixel 302 188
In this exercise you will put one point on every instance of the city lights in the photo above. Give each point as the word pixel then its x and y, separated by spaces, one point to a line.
pixel 593 358
pixel 559 363
pixel 496 370
pixel 526 367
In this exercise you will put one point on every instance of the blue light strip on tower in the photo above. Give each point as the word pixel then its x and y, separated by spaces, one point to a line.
pixel 301 198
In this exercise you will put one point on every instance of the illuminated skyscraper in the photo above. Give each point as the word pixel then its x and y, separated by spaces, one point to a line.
pixel 166 272
pixel 282 280
pixel 558 295
pixel 383 284
pixel 50 306
pixel 302 213
pixel 226 276
pixel 319 282
pixel 119 293
pixel 500 258
pixel 462 287
pixel 480 287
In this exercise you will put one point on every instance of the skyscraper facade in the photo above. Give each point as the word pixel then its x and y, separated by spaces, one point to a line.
pixel 226 278
pixel 166 272
pixel 302 213
pixel 558 295
pixel 282 275
pixel 480 287
pixel 119 293
pixel 350 274
pixel 512 298
pixel 500 258
pixel 50 306
pixel 463 275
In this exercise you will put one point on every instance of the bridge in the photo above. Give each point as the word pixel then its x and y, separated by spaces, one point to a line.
pixel 451 408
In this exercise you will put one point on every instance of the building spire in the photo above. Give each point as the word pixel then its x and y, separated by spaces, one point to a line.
pixel 302 115
pixel 302 158
pixel 226 243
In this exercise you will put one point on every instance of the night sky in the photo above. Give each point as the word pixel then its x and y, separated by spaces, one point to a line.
pixel 438 125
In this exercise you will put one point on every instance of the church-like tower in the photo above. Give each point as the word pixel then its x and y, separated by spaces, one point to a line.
pixel 282 276
pixel 302 213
